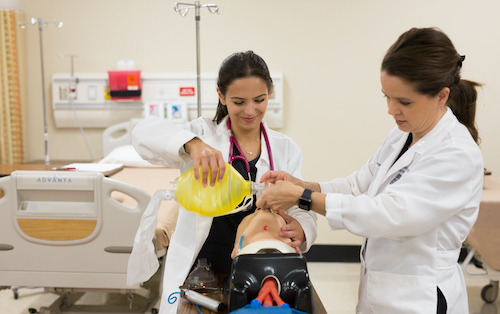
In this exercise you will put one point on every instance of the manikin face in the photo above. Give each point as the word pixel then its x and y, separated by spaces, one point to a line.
pixel 246 100
pixel 413 112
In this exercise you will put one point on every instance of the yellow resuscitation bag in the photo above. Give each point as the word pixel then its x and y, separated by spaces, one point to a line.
pixel 221 199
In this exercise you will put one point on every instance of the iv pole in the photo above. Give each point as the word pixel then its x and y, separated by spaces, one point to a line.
pixel 212 8
pixel 42 24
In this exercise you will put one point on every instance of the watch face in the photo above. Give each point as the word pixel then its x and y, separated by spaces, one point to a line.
pixel 305 200
pixel 305 203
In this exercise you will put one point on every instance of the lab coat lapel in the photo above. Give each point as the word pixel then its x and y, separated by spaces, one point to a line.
pixel 386 165
pixel 402 162
pixel 434 137
pixel 263 164
pixel 220 139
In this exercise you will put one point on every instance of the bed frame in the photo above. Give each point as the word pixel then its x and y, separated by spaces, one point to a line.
pixel 63 231
pixel 117 135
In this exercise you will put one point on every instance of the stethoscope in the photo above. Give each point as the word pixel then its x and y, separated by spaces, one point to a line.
pixel 233 142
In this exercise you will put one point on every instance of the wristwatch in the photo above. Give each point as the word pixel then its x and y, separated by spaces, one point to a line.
pixel 305 200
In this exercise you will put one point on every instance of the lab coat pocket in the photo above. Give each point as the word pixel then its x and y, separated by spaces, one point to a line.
pixel 394 293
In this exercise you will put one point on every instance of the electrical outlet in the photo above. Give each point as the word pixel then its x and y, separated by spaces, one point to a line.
pixel 92 92
pixel 63 92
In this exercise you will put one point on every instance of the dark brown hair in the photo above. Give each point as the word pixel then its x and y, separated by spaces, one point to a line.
pixel 240 65
pixel 426 58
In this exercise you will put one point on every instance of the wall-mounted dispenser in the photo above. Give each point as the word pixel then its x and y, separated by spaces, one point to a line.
pixel 125 85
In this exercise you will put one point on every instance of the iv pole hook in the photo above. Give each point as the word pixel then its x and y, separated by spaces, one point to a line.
pixel 183 11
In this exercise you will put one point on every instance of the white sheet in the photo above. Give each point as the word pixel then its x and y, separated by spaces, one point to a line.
pixel 92 166
pixel 127 156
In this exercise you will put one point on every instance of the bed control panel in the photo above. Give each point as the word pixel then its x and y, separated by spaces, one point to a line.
pixel 50 194
pixel 56 207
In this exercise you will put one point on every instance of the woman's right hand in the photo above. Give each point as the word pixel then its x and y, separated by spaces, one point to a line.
pixel 206 156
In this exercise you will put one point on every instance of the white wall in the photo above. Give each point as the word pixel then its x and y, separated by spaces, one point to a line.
pixel 328 50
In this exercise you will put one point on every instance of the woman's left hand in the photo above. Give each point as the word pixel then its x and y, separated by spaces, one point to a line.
pixel 292 230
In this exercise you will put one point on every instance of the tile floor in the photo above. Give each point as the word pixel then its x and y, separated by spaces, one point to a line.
pixel 336 284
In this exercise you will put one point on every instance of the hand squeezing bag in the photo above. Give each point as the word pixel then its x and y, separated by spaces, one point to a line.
pixel 221 199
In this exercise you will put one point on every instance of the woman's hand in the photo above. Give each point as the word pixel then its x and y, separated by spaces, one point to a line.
pixel 292 230
pixel 280 196
pixel 271 177
pixel 209 158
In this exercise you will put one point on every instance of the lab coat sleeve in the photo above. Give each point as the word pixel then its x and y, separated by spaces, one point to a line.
pixel 307 219
pixel 434 189
pixel 355 185
pixel 161 142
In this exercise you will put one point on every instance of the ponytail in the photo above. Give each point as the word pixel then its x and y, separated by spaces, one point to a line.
pixel 462 102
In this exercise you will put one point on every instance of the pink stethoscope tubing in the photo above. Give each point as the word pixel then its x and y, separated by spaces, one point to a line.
pixel 233 142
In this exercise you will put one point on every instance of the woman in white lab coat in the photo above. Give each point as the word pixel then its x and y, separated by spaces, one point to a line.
pixel 416 199
pixel 244 86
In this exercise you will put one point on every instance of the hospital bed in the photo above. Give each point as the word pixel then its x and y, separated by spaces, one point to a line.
pixel 75 238
pixel 65 232
pixel 484 240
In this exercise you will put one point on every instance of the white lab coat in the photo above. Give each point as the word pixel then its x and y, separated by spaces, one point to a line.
pixel 414 216
pixel 161 142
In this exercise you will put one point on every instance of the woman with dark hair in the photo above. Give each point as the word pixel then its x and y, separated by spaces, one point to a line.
pixel 238 135
pixel 417 198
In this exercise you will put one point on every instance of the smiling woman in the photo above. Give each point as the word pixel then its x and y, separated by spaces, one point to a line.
pixel 238 135
pixel 246 103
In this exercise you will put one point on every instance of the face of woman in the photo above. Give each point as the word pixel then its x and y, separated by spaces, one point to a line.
pixel 246 100
pixel 414 112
